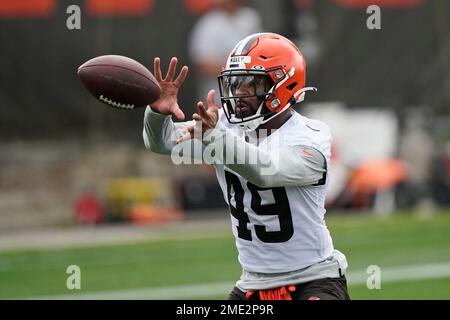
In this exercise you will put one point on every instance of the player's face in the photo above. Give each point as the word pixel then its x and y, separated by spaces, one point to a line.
pixel 247 106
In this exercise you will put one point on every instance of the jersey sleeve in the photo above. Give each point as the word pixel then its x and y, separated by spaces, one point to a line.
pixel 291 165
pixel 160 132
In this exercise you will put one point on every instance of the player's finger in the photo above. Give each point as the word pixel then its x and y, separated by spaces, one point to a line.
pixel 196 117
pixel 178 113
pixel 202 111
pixel 157 68
pixel 210 99
pixel 188 135
pixel 172 68
pixel 181 77
pixel 185 137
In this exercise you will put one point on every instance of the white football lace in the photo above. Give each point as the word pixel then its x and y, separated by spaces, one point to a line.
pixel 116 104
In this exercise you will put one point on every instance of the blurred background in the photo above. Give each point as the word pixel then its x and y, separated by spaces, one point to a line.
pixel 77 185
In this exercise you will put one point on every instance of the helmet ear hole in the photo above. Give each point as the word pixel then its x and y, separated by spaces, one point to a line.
pixel 291 86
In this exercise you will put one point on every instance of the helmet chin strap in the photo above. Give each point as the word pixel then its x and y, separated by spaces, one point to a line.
pixel 254 124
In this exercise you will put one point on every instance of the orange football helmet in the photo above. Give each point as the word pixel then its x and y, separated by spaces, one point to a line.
pixel 264 60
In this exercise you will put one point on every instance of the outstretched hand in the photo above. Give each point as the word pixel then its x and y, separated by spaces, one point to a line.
pixel 206 118
pixel 168 101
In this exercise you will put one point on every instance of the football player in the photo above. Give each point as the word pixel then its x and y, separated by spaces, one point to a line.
pixel 277 216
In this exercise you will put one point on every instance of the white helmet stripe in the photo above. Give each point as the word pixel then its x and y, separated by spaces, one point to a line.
pixel 299 96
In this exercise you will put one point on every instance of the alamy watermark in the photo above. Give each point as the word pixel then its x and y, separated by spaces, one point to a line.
pixel 374 278
pixel 73 281
pixel 373 22
pixel 73 21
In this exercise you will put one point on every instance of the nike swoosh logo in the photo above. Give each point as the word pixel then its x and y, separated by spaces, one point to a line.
pixel 317 130
pixel 308 153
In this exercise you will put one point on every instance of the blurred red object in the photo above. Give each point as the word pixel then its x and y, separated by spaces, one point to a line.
pixel 382 3
pixel 27 8
pixel 378 175
pixel 373 177
pixel 198 6
pixel 88 209
pixel 152 214
pixel 370 179
pixel 119 7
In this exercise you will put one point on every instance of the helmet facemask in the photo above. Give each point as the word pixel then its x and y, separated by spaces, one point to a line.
pixel 258 84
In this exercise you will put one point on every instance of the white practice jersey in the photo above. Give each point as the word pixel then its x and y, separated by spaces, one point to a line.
pixel 280 229
pixel 277 215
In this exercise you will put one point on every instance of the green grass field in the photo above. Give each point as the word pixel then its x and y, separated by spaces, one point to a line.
pixel 137 270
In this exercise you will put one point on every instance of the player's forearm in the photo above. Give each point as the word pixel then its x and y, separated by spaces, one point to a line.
pixel 273 168
pixel 159 132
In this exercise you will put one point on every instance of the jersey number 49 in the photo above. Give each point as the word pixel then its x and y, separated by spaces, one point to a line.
pixel 280 208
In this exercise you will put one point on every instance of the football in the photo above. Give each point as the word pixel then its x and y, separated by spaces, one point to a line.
pixel 119 81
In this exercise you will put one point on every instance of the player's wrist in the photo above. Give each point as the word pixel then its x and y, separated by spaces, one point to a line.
pixel 155 111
